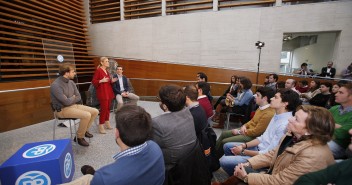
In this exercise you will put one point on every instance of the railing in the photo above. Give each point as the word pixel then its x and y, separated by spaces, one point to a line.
pixel 115 10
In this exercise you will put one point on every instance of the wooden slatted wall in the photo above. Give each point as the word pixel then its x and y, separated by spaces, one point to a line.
pixel 104 11
pixel 24 25
pixel 135 9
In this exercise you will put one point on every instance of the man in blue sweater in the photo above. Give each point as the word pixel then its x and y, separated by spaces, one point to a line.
pixel 140 160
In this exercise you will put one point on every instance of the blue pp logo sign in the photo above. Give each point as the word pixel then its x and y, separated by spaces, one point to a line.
pixel 68 165
pixel 38 151
pixel 33 178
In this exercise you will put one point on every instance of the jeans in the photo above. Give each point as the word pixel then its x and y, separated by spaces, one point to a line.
pixel 337 151
pixel 229 161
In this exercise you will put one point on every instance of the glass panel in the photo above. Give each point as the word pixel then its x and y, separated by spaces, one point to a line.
pixel 56 53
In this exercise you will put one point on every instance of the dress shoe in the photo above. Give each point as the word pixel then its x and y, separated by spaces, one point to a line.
pixel 81 141
pixel 86 169
pixel 107 125
pixel 102 129
pixel 88 135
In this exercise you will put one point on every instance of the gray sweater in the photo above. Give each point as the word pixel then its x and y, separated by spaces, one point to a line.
pixel 64 93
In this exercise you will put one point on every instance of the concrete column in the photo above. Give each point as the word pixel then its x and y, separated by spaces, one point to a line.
pixel 122 10
pixel 278 3
pixel 163 7
pixel 215 5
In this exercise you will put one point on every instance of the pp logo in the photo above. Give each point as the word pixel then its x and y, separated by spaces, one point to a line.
pixel 33 178
pixel 68 165
pixel 38 151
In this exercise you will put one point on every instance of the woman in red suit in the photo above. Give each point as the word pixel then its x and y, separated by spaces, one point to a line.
pixel 102 82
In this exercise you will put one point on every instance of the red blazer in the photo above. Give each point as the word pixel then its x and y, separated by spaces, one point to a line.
pixel 104 90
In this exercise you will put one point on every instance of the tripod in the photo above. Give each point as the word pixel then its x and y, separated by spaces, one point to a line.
pixel 259 45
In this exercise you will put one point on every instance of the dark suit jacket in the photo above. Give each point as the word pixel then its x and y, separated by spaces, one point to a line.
pixel 116 86
pixel 324 72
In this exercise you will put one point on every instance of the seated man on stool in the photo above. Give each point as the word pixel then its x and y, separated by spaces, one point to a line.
pixel 121 89
pixel 65 99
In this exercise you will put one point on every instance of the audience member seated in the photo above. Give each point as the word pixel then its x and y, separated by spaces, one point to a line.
pixel 328 71
pixel 203 89
pixel 238 104
pixel 233 90
pixel 314 89
pixel 304 71
pixel 339 173
pixel 202 77
pixel 266 81
pixel 253 128
pixel 302 86
pixel 122 89
pixel 197 111
pixel 347 73
pixel 342 114
pixel 205 134
pixel 66 101
pixel 284 103
pixel 332 101
pixel 291 84
pixel 272 81
pixel 301 151
pixel 323 97
pixel 172 130
pixel 280 85
pixel 140 160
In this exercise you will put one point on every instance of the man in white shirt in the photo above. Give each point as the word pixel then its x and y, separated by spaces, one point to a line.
pixel 284 102
pixel 122 89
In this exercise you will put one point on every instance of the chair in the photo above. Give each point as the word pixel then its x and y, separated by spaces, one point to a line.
pixel 72 122
pixel 245 116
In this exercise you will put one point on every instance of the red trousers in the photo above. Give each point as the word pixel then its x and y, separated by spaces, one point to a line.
pixel 104 111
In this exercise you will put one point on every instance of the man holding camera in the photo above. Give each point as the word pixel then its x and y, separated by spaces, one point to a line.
pixel 65 99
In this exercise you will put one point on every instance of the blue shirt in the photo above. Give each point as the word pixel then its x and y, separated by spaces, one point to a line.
pixel 274 132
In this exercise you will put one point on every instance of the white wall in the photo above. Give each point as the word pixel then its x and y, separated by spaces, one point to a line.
pixel 224 38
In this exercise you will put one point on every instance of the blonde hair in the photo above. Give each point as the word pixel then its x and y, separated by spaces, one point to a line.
pixel 101 60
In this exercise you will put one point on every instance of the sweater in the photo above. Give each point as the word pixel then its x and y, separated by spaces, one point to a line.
pixel 64 93
pixel 341 136
pixel 145 167
pixel 339 173
pixel 258 124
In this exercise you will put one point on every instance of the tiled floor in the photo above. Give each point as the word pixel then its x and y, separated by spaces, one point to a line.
pixel 99 153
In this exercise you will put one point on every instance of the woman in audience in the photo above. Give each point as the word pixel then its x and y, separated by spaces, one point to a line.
pixel 238 104
pixel 331 101
pixel 102 83
pixel 301 151
pixel 232 89
pixel 323 97
pixel 313 90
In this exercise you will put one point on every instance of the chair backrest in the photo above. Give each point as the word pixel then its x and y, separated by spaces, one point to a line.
pixel 130 85
pixel 248 111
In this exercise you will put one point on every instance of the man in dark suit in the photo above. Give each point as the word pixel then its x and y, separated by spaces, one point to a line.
pixel 122 89
pixel 328 71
